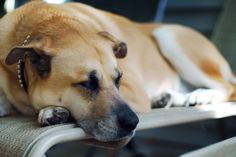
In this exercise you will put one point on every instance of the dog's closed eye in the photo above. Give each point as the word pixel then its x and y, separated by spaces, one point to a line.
pixel 117 79
pixel 91 84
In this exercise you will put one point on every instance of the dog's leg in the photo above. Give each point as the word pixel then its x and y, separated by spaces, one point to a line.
pixel 198 62
pixel 197 97
pixel 204 96
pixel 133 91
pixel 5 106
pixel 168 99
pixel 53 115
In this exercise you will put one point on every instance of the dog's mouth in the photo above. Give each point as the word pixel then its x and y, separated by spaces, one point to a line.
pixel 106 130
pixel 106 133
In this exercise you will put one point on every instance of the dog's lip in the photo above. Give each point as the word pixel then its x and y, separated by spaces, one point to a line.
pixel 123 134
pixel 129 135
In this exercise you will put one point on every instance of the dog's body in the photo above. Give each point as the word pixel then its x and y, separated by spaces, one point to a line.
pixel 160 59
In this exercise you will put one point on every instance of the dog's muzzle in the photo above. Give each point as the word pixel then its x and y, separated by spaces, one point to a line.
pixel 127 119
pixel 119 124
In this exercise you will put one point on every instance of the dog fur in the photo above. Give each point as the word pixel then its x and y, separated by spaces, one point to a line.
pixel 78 39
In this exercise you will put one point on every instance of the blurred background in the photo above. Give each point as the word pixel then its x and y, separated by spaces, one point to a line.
pixel 216 19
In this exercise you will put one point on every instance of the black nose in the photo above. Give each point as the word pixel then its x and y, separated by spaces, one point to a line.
pixel 127 119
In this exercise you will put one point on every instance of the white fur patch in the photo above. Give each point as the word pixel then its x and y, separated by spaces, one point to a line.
pixel 177 98
pixel 205 96
pixel 45 114
pixel 150 90
pixel 174 53
pixel 52 112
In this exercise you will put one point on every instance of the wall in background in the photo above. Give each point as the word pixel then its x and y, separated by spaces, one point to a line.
pixel 199 14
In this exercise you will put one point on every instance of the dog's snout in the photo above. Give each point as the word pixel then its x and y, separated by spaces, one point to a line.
pixel 127 119
pixel 128 123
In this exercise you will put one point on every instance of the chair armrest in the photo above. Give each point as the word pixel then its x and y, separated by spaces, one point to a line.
pixel 22 136
pixel 19 133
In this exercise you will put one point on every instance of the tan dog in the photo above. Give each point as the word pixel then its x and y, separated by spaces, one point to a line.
pixel 65 56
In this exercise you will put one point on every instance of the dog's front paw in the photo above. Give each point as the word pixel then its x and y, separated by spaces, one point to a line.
pixel 205 96
pixel 162 100
pixel 53 115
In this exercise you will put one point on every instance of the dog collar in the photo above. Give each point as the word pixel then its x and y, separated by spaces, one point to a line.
pixel 21 73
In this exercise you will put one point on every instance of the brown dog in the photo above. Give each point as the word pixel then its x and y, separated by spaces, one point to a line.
pixel 73 56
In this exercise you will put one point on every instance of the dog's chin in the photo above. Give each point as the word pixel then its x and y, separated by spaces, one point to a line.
pixel 106 133
pixel 110 138
pixel 111 143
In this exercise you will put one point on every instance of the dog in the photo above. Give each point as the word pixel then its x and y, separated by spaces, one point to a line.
pixel 103 68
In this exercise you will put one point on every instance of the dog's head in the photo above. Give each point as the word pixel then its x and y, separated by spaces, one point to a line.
pixel 78 70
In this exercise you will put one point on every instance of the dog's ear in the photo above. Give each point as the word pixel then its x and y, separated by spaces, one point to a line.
pixel 39 59
pixel 119 47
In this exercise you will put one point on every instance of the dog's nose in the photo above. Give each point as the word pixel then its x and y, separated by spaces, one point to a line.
pixel 127 119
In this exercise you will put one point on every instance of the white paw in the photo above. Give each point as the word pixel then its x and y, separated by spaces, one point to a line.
pixel 169 99
pixel 205 96
pixel 161 101
pixel 53 115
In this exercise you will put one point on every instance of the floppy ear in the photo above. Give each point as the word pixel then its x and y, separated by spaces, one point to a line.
pixel 119 47
pixel 39 59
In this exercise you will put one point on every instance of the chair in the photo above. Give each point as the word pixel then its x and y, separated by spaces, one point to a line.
pixel 21 136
